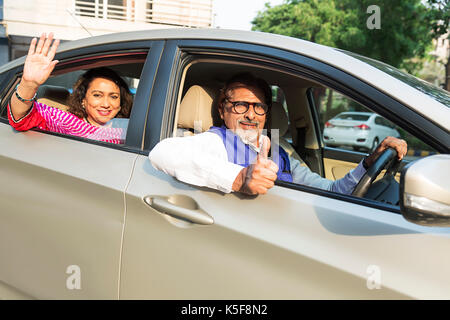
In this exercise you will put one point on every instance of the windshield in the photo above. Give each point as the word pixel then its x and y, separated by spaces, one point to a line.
pixel 434 92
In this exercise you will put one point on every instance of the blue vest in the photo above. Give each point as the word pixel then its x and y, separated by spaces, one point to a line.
pixel 241 154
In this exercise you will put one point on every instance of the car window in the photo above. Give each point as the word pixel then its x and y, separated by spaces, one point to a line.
pixel 291 115
pixel 425 87
pixel 68 80
pixel 354 133
pixel 57 92
pixel 379 121
pixel 386 123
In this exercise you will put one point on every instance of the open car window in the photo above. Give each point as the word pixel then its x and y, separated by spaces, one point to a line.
pixel 303 127
pixel 348 125
pixel 57 90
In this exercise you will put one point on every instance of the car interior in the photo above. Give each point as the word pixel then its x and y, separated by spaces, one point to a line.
pixel 197 109
pixel 57 89
pixel 291 113
pixel 54 96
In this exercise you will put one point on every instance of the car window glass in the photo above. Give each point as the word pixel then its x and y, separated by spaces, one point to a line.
pixel 389 124
pixel 66 82
pixel 290 115
pixel 385 123
pixel 379 121
pixel 280 112
pixel 358 134
pixel 432 91
pixel 57 90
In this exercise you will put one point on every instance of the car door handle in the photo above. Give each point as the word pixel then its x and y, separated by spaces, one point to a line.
pixel 181 207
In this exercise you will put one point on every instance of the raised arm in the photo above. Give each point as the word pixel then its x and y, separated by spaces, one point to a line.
pixel 259 177
pixel 39 64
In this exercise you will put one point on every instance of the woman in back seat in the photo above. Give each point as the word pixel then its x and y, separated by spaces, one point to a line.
pixel 98 96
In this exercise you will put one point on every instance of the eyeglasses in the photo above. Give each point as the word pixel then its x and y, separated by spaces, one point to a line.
pixel 243 106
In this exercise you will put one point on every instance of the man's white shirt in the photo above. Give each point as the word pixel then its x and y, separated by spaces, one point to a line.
pixel 202 160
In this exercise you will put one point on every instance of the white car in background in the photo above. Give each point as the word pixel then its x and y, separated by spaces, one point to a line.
pixel 360 130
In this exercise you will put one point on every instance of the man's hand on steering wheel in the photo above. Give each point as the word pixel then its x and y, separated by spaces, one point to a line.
pixel 389 142
pixel 381 159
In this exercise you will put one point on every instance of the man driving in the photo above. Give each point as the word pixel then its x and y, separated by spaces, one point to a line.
pixel 234 157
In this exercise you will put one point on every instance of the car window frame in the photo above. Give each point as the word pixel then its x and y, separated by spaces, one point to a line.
pixel 379 121
pixel 176 56
pixel 85 57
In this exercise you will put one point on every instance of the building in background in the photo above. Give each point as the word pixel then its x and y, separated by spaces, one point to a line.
pixel 441 53
pixel 436 70
pixel 74 19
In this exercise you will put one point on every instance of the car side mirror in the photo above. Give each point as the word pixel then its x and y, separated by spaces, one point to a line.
pixel 425 191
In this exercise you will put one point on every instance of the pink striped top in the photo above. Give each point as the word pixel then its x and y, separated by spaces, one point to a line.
pixel 55 120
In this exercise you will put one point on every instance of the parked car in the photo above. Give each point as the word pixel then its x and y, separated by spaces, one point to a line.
pixel 83 219
pixel 360 130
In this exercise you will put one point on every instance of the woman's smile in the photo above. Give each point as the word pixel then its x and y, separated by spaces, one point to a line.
pixel 104 113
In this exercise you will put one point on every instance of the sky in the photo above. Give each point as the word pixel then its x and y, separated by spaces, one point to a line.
pixel 238 14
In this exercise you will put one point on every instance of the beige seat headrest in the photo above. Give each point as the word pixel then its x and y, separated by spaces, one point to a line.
pixel 280 121
pixel 196 106
pixel 54 96
pixel 279 118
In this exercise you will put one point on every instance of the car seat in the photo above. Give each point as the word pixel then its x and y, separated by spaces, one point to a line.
pixel 197 113
pixel 53 96
pixel 279 120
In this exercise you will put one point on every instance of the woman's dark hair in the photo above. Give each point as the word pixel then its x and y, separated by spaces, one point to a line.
pixel 80 88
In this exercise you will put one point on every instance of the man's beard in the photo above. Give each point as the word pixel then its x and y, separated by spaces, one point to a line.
pixel 248 136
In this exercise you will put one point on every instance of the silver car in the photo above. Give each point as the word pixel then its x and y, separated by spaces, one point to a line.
pixel 82 219
pixel 360 130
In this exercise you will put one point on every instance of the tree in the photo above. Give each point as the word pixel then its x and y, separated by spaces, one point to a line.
pixel 342 24
pixel 404 31
pixel 438 17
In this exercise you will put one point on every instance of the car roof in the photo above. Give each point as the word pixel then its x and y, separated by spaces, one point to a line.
pixel 402 92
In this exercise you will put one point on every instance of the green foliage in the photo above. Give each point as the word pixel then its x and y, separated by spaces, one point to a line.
pixel 438 16
pixel 413 142
pixel 404 31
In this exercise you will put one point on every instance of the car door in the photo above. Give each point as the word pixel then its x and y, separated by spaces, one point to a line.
pixel 62 197
pixel 295 242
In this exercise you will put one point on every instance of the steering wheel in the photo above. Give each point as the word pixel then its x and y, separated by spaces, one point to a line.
pixel 387 160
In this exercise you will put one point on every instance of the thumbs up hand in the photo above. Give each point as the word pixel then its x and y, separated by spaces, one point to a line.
pixel 259 177
pixel 263 158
